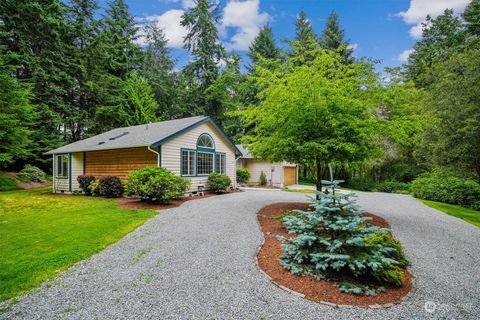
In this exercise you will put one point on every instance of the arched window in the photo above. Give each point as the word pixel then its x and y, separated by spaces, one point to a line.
pixel 205 141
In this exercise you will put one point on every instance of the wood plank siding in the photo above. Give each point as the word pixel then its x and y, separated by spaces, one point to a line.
pixel 118 162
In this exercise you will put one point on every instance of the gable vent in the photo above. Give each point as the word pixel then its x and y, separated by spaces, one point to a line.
pixel 119 136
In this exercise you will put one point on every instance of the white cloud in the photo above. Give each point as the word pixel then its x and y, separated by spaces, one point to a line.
pixel 246 18
pixel 419 9
pixel 353 46
pixel 186 4
pixel 170 23
pixel 403 57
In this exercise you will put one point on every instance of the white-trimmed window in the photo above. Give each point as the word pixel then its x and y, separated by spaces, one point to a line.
pixel 205 141
pixel 204 163
pixel 220 163
pixel 188 163
pixel 61 166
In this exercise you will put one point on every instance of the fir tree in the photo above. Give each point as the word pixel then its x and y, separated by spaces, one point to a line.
pixel 305 42
pixel 333 241
pixel 264 45
pixel 157 69
pixel 472 17
pixel 84 33
pixel 202 41
pixel 15 117
pixel 119 32
pixel 37 45
pixel 303 30
pixel 333 38
pixel 139 105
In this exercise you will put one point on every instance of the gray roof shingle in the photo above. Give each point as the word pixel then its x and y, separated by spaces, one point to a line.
pixel 244 151
pixel 129 137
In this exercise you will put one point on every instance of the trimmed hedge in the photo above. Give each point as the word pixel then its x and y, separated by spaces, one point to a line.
pixel 218 182
pixel 437 187
pixel 7 183
pixel 156 184
pixel 110 187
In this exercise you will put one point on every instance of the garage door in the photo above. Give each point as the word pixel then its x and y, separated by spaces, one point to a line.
pixel 289 175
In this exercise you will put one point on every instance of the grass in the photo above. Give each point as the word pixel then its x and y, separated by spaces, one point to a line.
pixel 43 234
pixel 8 183
pixel 468 215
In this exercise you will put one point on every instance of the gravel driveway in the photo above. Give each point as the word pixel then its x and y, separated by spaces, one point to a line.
pixel 197 262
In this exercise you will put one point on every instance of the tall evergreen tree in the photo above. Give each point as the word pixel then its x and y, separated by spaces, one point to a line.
pixel 472 17
pixel 157 69
pixel 139 105
pixel 333 38
pixel 202 41
pixel 37 44
pixel 303 30
pixel 305 42
pixel 441 36
pixel 15 117
pixel 264 45
pixel 116 54
pixel 119 32
pixel 204 45
pixel 84 33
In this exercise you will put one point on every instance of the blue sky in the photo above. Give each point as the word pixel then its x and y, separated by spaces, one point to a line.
pixel 378 29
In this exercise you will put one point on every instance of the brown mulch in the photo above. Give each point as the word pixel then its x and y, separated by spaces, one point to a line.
pixel 136 204
pixel 271 251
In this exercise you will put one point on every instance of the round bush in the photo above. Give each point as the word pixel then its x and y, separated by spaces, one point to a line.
pixel 84 182
pixel 31 174
pixel 156 184
pixel 243 175
pixel 110 187
pixel 218 182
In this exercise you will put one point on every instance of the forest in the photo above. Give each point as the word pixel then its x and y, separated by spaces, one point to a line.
pixel 70 70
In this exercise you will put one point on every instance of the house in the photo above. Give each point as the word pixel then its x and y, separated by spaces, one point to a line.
pixel 190 147
pixel 278 174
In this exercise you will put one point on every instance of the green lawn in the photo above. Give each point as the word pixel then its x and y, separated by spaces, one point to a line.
pixel 469 215
pixel 42 234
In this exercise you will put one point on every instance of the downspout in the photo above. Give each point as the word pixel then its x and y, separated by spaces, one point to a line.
pixel 158 155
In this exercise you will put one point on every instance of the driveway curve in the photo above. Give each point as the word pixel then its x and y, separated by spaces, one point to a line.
pixel 197 262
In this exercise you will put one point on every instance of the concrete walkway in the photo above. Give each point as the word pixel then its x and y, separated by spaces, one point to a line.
pixel 197 262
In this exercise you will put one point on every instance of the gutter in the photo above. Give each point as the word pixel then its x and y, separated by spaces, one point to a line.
pixel 157 153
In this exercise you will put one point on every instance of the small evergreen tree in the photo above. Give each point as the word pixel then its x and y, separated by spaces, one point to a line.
pixel 263 178
pixel 333 241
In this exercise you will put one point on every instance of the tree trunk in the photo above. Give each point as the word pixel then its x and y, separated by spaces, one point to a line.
pixel 318 167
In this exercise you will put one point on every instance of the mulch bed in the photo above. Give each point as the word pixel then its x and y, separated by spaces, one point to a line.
pixel 320 291
pixel 136 204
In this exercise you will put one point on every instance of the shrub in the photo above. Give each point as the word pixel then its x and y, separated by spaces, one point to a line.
pixel 93 188
pixel 31 174
pixel 218 182
pixel 387 186
pixel 436 186
pixel 156 184
pixel 263 178
pixel 7 183
pixel 84 182
pixel 243 175
pixel 334 241
pixel 110 187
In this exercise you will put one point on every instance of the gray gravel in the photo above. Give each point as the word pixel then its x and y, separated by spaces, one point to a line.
pixel 197 262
